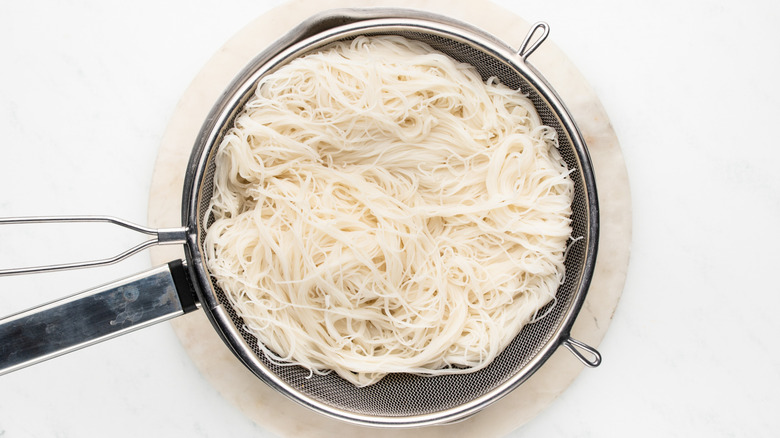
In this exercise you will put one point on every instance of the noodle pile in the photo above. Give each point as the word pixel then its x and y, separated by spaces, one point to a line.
pixel 379 208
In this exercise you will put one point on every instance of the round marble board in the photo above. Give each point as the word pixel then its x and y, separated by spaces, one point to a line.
pixel 284 417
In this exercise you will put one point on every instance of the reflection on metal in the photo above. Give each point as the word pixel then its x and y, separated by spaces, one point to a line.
pixel 87 318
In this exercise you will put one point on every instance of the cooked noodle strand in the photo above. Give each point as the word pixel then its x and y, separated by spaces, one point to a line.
pixel 380 208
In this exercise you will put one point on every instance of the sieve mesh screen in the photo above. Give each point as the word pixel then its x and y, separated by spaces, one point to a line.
pixel 400 395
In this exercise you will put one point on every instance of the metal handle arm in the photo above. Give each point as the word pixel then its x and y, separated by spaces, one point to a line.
pixel 162 236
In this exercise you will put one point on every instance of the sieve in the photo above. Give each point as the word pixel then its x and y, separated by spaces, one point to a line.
pixel 185 285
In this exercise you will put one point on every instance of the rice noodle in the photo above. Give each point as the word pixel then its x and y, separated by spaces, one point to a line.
pixel 379 208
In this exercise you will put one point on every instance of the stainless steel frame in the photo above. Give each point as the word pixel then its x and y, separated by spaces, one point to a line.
pixel 321 30
pixel 166 292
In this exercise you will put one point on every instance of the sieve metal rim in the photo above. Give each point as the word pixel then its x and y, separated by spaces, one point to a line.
pixel 319 30
pixel 167 291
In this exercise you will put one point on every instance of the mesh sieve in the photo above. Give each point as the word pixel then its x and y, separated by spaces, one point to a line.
pixel 401 399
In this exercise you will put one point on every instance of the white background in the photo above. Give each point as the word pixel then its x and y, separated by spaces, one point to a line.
pixel 692 89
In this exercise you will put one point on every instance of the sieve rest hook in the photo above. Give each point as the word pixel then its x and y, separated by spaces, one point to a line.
pixel 161 236
pixel 575 346
pixel 525 51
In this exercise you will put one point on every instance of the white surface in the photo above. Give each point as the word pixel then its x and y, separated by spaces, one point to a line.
pixel 691 89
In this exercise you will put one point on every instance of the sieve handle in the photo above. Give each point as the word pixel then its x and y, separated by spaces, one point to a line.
pixel 527 48
pixel 95 315
pixel 575 346
pixel 160 236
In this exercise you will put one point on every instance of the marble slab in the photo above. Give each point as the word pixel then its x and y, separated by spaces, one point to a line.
pixel 275 412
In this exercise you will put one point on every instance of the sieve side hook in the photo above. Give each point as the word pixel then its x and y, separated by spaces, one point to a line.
pixel 525 50
pixel 160 236
pixel 575 346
